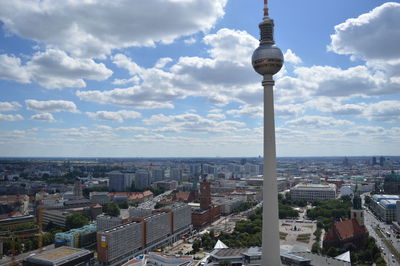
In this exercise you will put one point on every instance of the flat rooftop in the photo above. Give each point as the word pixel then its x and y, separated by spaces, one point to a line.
pixel 58 255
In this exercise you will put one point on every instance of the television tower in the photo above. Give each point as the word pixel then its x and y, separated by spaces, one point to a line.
pixel 267 60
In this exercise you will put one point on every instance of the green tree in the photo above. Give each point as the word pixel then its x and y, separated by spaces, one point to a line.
pixel 76 220
pixel 196 245
pixel 316 248
pixel 367 200
pixel 123 205
pixel 112 209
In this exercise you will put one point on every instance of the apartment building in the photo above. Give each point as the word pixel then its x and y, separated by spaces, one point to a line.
pixel 119 242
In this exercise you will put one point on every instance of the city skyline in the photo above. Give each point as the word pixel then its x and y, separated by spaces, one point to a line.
pixel 83 79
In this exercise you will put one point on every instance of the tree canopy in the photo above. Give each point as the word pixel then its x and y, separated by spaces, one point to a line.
pixel 111 209
pixel 76 220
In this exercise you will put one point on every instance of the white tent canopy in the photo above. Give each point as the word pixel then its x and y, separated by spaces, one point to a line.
pixel 220 245
pixel 344 257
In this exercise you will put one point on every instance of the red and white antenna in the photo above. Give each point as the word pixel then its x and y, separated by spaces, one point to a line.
pixel 265 8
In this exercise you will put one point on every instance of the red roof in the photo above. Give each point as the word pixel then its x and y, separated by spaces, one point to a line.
pixel 183 195
pixel 348 229
pixel 132 195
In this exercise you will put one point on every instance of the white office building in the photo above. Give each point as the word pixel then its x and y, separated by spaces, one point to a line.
pixel 313 191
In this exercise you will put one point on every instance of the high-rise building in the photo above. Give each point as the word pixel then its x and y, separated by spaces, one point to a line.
pixel 157 174
pixel 120 181
pixel 175 173
pixel 78 188
pixel 142 178
pixel 158 226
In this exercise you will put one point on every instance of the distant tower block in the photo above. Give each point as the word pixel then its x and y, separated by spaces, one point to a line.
pixel 267 60
pixel 78 188
pixel 205 195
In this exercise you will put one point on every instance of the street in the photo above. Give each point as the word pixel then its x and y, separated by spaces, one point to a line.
pixel 372 222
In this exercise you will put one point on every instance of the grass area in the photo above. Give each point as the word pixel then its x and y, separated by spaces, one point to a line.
pixel 303 238
pixel 282 235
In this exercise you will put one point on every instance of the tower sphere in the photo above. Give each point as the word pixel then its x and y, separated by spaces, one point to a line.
pixel 267 59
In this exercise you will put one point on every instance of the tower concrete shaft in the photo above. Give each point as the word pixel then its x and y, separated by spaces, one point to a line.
pixel 270 231
pixel 267 60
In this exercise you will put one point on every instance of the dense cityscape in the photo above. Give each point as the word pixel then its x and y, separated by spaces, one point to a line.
pixel 199 210
pixel 165 133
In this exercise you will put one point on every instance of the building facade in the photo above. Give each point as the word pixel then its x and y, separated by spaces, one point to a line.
pixel 119 242
pixel 312 192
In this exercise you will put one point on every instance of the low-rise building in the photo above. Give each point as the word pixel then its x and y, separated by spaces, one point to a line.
pixel 62 256
pixel 84 237
pixel 384 206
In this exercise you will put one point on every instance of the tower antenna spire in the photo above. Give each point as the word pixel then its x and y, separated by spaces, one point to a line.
pixel 265 8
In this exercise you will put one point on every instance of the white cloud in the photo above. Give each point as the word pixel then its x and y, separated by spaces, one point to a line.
pixel 247 110
pixel 131 129
pixel 284 111
pixel 318 122
pixel 93 28
pixel 141 97
pixel 385 111
pixel 46 117
pixel 190 41
pixel 51 106
pixel 162 62
pixel 10 118
pixel 291 57
pixel 118 116
pixel 336 107
pixel 231 45
pixel 133 80
pixel 9 106
pixel 374 35
pixel 11 69
pixel 216 116
pixel 223 78
pixel 53 69
pixel 193 123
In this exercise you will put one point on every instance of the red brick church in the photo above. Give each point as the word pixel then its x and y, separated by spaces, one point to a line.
pixel 351 233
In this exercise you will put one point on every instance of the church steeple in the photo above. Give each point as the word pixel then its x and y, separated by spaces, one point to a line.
pixel 356 199
pixel 357 212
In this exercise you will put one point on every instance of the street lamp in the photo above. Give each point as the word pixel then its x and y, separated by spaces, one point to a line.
pixel 267 60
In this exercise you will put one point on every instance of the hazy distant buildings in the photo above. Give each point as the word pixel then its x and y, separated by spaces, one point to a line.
pixel 120 181
pixel 391 183
pixel 313 191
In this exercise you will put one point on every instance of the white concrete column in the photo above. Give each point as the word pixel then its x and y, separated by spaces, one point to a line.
pixel 270 233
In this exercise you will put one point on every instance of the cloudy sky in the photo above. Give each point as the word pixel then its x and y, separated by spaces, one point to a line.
pixel 161 78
